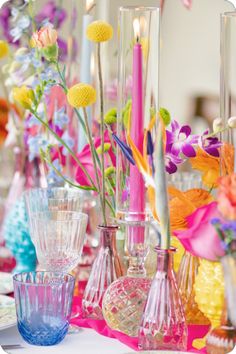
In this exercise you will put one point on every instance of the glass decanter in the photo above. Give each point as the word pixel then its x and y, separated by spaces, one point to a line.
pixel 163 324
pixel 185 279
pixel 105 270
pixel 124 300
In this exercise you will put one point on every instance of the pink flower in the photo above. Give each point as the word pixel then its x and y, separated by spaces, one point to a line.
pixel 200 238
pixel 45 37
pixel 86 159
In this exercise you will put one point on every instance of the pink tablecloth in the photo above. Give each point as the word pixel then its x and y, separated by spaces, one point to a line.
pixel 102 328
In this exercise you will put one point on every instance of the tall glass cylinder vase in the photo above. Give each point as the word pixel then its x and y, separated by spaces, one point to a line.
pixel 137 105
pixel 228 86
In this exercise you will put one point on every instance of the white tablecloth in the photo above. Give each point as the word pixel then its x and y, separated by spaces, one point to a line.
pixel 87 341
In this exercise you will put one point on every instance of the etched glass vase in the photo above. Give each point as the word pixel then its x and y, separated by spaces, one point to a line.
pixel 105 270
pixel 124 300
pixel 163 324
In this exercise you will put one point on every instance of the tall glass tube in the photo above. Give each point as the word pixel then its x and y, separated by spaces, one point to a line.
pixel 137 103
pixel 228 89
pixel 228 67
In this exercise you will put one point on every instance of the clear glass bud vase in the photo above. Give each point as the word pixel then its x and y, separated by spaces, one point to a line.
pixel 163 323
pixel 105 270
pixel 124 300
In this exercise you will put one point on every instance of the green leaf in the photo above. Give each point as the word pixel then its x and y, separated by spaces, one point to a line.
pixel 165 115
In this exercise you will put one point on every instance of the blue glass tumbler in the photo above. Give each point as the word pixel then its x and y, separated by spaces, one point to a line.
pixel 43 306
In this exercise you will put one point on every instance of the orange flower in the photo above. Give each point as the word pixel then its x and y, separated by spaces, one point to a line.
pixel 184 204
pixel 210 165
pixel 227 196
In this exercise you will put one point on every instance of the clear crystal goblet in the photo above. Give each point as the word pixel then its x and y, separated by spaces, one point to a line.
pixel 58 237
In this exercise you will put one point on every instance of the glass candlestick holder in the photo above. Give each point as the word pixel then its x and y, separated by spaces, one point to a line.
pixel 137 106
pixel 124 300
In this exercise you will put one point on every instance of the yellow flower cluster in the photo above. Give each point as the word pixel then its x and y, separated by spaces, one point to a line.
pixel 24 96
pixel 4 49
pixel 81 95
pixel 99 31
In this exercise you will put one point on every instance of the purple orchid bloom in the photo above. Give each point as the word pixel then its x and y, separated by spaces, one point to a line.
pixel 171 160
pixel 210 145
pixel 181 140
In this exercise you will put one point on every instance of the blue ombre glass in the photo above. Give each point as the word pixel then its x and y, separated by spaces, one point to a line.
pixel 43 306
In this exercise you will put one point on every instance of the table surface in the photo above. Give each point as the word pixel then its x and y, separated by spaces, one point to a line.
pixel 87 341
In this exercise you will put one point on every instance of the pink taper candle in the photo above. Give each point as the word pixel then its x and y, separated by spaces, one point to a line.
pixel 137 187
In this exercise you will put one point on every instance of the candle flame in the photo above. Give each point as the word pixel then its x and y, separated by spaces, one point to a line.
pixel 136 25
pixel 143 24
pixel 89 4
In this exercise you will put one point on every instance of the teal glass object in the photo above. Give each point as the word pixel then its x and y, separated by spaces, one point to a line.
pixel 17 237
pixel 43 306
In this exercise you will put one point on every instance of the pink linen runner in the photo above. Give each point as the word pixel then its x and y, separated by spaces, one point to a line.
pixel 102 328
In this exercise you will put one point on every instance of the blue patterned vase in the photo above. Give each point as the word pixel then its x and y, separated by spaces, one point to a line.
pixel 17 237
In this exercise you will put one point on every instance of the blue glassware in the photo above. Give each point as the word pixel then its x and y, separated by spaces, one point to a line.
pixel 17 237
pixel 43 306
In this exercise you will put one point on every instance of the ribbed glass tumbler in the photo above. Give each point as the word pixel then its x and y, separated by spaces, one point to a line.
pixel 43 306
pixel 58 237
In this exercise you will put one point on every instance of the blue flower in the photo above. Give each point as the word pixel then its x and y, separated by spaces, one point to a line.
pixel 33 120
pixel 22 23
pixel 52 177
pixel 215 221
pixel 35 144
pixel 61 118
pixel 69 141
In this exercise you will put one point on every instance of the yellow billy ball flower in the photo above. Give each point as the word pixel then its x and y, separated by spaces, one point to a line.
pixel 4 49
pixel 99 31
pixel 24 96
pixel 81 95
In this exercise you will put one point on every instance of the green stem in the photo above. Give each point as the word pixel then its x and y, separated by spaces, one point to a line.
pixel 63 80
pixel 92 148
pixel 64 178
pixel 102 123
pixel 111 208
pixel 65 88
pixel 67 147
